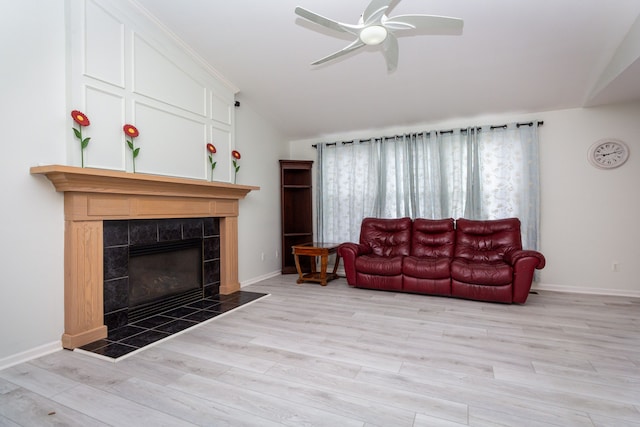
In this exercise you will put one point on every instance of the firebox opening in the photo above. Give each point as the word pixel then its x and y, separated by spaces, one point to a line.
pixel 163 276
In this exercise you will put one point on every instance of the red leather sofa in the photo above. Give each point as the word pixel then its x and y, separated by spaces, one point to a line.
pixel 479 260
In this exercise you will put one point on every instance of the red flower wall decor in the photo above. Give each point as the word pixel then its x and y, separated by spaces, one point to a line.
pixel 82 120
pixel 212 150
pixel 236 156
pixel 132 132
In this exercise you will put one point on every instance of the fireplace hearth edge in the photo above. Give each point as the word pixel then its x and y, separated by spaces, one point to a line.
pixel 131 339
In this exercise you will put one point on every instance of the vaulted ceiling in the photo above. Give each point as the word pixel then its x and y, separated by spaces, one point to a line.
pixel 513 57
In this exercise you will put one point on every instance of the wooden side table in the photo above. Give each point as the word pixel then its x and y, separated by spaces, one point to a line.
pixel 315 249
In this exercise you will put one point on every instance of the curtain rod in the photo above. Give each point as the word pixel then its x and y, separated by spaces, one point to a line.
pixel 478 128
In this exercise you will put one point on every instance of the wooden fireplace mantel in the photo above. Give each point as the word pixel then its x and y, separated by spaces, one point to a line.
pixel 94 195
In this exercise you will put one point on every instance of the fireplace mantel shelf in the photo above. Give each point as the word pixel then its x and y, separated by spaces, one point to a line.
pixel 92 180
pixel 92 196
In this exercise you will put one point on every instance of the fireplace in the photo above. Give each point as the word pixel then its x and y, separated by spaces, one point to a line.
pixel 155 265
pixel 163 276
pixel 96 196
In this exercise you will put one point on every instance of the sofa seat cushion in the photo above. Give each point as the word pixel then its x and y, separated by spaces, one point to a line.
pixel 383 266
pixel 494 273
pixel 426 267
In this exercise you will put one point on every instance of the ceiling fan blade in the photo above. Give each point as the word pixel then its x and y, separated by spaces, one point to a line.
pixel 426 24
pixel 325 22
pixel 375 10
pixel 353 46
pixel 390 52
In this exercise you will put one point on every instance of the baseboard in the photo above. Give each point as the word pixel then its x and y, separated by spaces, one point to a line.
pixel 34 353
pixel 581 290
pixel 259 278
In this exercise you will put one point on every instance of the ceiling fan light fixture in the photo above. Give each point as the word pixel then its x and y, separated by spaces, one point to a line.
pixel 373 35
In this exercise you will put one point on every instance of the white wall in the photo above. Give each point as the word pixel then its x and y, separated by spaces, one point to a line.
pixel 259 222
pixel 34 124
pixel 589 217
pixel 37 129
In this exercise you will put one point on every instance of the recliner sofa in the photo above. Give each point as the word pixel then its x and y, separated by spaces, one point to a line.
pixel 472 259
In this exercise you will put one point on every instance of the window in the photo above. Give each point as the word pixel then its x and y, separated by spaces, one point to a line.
pixel 477 173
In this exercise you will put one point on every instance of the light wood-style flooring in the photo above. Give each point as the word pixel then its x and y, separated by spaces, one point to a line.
pixel 334 356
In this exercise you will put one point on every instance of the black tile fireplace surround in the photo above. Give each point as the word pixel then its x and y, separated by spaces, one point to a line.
pixel 120 235
pixel 128 334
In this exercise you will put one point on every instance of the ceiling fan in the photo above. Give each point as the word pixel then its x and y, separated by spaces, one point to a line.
pixel 375 27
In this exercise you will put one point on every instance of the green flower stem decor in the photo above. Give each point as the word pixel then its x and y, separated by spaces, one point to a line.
pixel 212 150
pixel 132 132
pixel 82 120
pixel 236 156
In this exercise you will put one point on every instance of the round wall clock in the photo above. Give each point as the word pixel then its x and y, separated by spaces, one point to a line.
pixel 608 153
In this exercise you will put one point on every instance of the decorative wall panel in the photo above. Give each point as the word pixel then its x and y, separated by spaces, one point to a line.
pixel 104 46
pixel 167 135
pixel 155 76
pixel 221 110
pixel 126 68
pixel 221 138
pixel 106 148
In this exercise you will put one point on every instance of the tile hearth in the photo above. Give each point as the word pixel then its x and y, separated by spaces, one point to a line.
pixel 132 337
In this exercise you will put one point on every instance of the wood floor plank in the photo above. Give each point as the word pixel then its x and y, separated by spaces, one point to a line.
pixel 423 420
pixel 186 406
pixel 276 409
pixel 194 347
pixel 37 380
pixel 480 393
pixel 22 407
pixel 377 392
pixel 347 405
pixel 630 380
pixel 278 355
pixel 113 409
pixel 565 384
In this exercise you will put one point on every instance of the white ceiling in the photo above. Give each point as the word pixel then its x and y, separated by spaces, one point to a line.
pixel 514 56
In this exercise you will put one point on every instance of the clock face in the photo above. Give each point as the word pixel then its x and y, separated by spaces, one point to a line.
pixel 608 153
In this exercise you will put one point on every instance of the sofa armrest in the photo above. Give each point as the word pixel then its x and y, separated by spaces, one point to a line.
pixel 349 252
pixel 514 256
pixel 524 263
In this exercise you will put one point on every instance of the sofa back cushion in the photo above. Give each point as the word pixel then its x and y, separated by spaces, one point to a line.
pixel 386 237
pixel 433 238
pixel 487 241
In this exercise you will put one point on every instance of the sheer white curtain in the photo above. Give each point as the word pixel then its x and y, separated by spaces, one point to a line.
pixel 477 173
pixel 509 177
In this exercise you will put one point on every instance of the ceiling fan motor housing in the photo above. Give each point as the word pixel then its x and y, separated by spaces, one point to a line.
pixel 373 35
